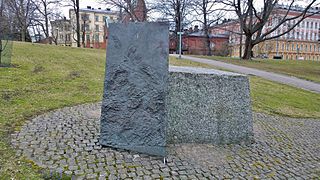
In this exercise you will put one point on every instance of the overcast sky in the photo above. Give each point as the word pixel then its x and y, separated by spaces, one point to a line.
pixel 95 4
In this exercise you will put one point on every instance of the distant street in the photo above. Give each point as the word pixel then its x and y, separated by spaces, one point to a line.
pixel 284 79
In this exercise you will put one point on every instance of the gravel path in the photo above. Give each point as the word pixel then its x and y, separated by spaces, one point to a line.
pixel 289 80
pixel 66 141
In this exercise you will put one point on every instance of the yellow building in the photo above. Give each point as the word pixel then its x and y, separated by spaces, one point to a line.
pixel 286 49
pixel 61 32
pixel 301 43
pixel 92 22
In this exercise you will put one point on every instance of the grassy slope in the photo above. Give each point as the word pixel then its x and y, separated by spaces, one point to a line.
pixel 46 77
pixel 50 77
pixel 309 70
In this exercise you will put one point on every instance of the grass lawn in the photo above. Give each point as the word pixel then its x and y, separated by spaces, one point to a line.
pixel 309 70
pixel 44 78
pixel 48 77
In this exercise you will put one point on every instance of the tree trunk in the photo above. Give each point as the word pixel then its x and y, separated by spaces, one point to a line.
pixel 178 26
pixel 208 44
pixel 248 53
pixel 206 28
pixel 23 34
pixel 46 21
pixel 0 51
pixel 78 22
pixel 240 47
pixel 1 29
pixel 83 38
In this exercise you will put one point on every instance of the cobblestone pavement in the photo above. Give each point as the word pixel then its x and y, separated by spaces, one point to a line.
pixel 66 141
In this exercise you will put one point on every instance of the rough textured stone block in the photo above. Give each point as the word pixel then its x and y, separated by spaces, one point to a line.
pixel 208 106
pixel 133 109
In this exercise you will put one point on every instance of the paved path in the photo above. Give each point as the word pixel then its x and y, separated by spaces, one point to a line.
pixel 67 141
pixel 289 80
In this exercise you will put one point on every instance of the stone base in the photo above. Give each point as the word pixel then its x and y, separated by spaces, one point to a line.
pixel 208 106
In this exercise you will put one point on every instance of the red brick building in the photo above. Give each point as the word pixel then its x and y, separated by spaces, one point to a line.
pixel 195 43
pixel 139 11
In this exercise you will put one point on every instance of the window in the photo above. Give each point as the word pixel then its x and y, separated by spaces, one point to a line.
pixel 212 45
pixel 88 37
pixel 97 28
pixel 96 38
pixel 85 17
pixel 87 27
pixel 307 24
pixel 311 25
pixel 312 37
pixel 96 18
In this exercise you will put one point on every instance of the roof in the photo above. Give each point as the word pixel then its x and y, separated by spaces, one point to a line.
pixel 102 11
pixel 298 8
pixel 201 34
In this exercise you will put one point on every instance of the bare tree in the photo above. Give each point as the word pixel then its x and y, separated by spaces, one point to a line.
pixel 22 10
pixel 128 8
pixel 176 12
pixel 54 33
pixel 76 8
pixel 84 18
pixel 1 27
pixel 207 13
pixel 45 11
pixel 253 22
pixel 5 45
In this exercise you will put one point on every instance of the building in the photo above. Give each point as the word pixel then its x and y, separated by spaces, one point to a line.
pixel 302 43
pixel 194 42
pixel 92 26
pixel 138 11
pixel 61 32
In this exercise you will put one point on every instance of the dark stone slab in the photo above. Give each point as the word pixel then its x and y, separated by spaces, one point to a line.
pixel 134 109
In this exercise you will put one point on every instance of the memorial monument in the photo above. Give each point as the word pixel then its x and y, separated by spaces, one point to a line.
pixel 145 106
pixel 134 108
